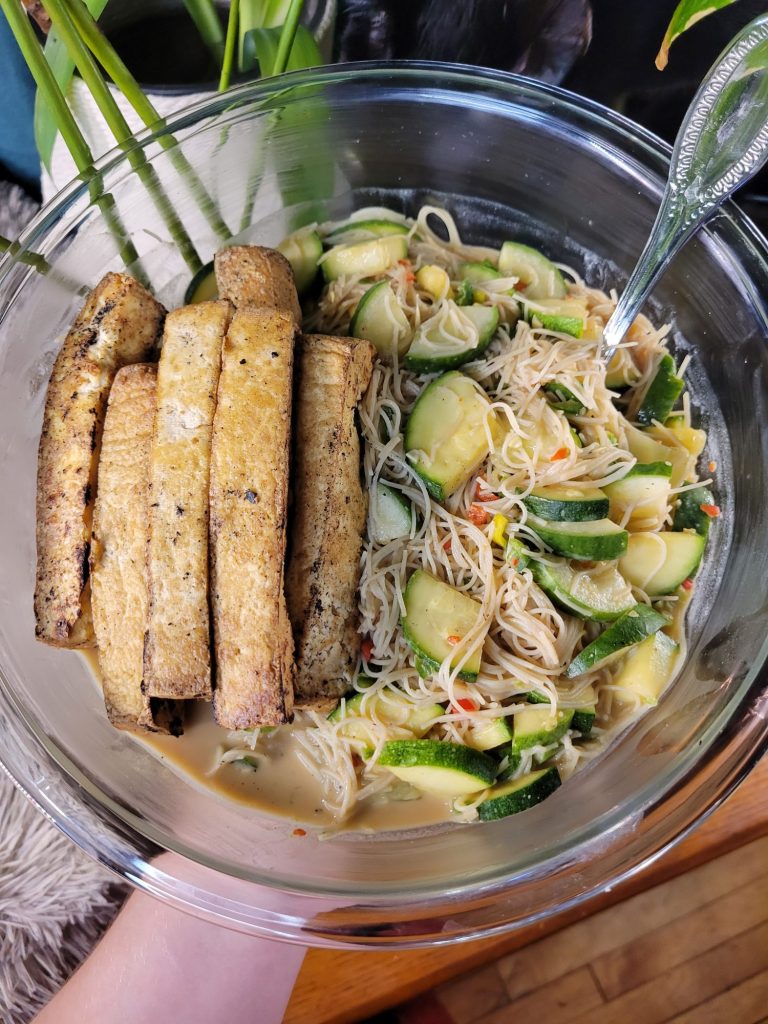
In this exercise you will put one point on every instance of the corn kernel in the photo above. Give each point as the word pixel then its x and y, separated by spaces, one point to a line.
pixel 500 524
pixel 433 280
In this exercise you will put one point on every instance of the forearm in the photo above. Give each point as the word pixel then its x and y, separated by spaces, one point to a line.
pixel 157 965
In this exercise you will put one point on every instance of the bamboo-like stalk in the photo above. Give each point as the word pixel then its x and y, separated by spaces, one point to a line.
pixel 229 45
pixel 31 259
pixel 107 56
pixel 287 36
pixel 121 130
pixel 76 144
pixel 203 13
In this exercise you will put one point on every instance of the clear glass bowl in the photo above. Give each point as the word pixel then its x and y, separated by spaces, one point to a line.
pixel 511 158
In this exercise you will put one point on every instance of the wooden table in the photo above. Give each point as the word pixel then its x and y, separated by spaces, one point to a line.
pixel 337 987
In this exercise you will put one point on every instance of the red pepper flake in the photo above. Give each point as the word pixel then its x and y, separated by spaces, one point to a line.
pixel 478 515
pixel 466 704
pixel 515 562
pixel 299 832
pixel 712 467
pixel 453 640
pixel 447 545
pixel 713 511
pixel 366 648
pixel 687 584
pixel 484 495
pixel 521 286
pixel 561 453
pixel 404 263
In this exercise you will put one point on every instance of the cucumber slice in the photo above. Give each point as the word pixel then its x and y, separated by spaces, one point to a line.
pixel 647 449
pixel 489 735
pixel 380 319
pixel 584 718
pixel 364 259
pixel 447 428
pixel 478 273
pixel 390 708
pixel 536 726
pixel 688 515
pixel 435 611
pixel 648 668
pixel 645 490
pixel 663 392
pixel 560 397
pixel 519 794
pixel 434 348
pixel 681 551
pixel 446 769
pixel 354 231
pixel 390 515
pixel 602 597
pixel 598 541
pixel 567 504
pixel 566 316
pixel 517 554
pixel 302 249
pixel 633 627
pixel 540 276
pixel 464 293
pixel 202 287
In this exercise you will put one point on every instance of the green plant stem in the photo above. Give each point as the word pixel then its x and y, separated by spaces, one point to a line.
pixel 206 19
pixel 76 144
pixel 121 130
pixel 229 46
pixel 287 36
pixel 31 259
pixel 106 55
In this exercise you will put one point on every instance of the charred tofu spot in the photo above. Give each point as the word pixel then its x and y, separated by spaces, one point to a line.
pixel 275 355
pixel 242 362
pixel 179 510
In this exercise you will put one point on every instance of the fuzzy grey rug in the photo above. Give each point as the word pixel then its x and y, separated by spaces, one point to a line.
pixel 54 901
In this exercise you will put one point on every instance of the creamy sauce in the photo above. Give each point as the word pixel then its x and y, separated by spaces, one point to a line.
pixel 280 785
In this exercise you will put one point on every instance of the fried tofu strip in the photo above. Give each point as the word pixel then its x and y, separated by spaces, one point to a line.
pixel 249 495
pixel 177 643
pixel 119 323
pixel 328 517
pixel 119 549
pixel 249 275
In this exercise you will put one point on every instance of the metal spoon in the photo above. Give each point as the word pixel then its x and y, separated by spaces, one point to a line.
pixel 722 142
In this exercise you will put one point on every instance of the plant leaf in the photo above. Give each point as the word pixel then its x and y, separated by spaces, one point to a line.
pixel 264 42
pixel 687 13
pixel 63 68
pixel 257 14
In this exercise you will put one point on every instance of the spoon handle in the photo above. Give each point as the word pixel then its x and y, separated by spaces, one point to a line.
pixel 722 142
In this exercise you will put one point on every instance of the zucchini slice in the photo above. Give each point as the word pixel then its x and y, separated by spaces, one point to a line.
pixel 380 319
pixel 436 617
pixel 202 287
pixel 354 231
pixel 597 541
pixel 633 627
pixel 663 392
pixel 584 718
pixel 436 347
pixel 566 316
pixel 489 735
pixel 447 429
pixel 688 514
pixel 303 250
pixel 364 259
pixel 517 554
pixel 390 708
pixel 692 439
pixel 602 597
pixel 562 504
pixel 536 726
pixel 681 552
pixel 648 668
pixel 562 398
pixel 446 769
pixel 390 515
pixel 539 276
pixel 647 449
pixel 645 490
pixel 519 794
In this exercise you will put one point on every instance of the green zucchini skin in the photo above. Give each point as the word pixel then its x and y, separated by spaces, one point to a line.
pixel 663 392
pixel 518 795
pixel 486 319
pixel 632 628
pixel 598 540
pixel 567 505
pixel 595 604
pixel 688 515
